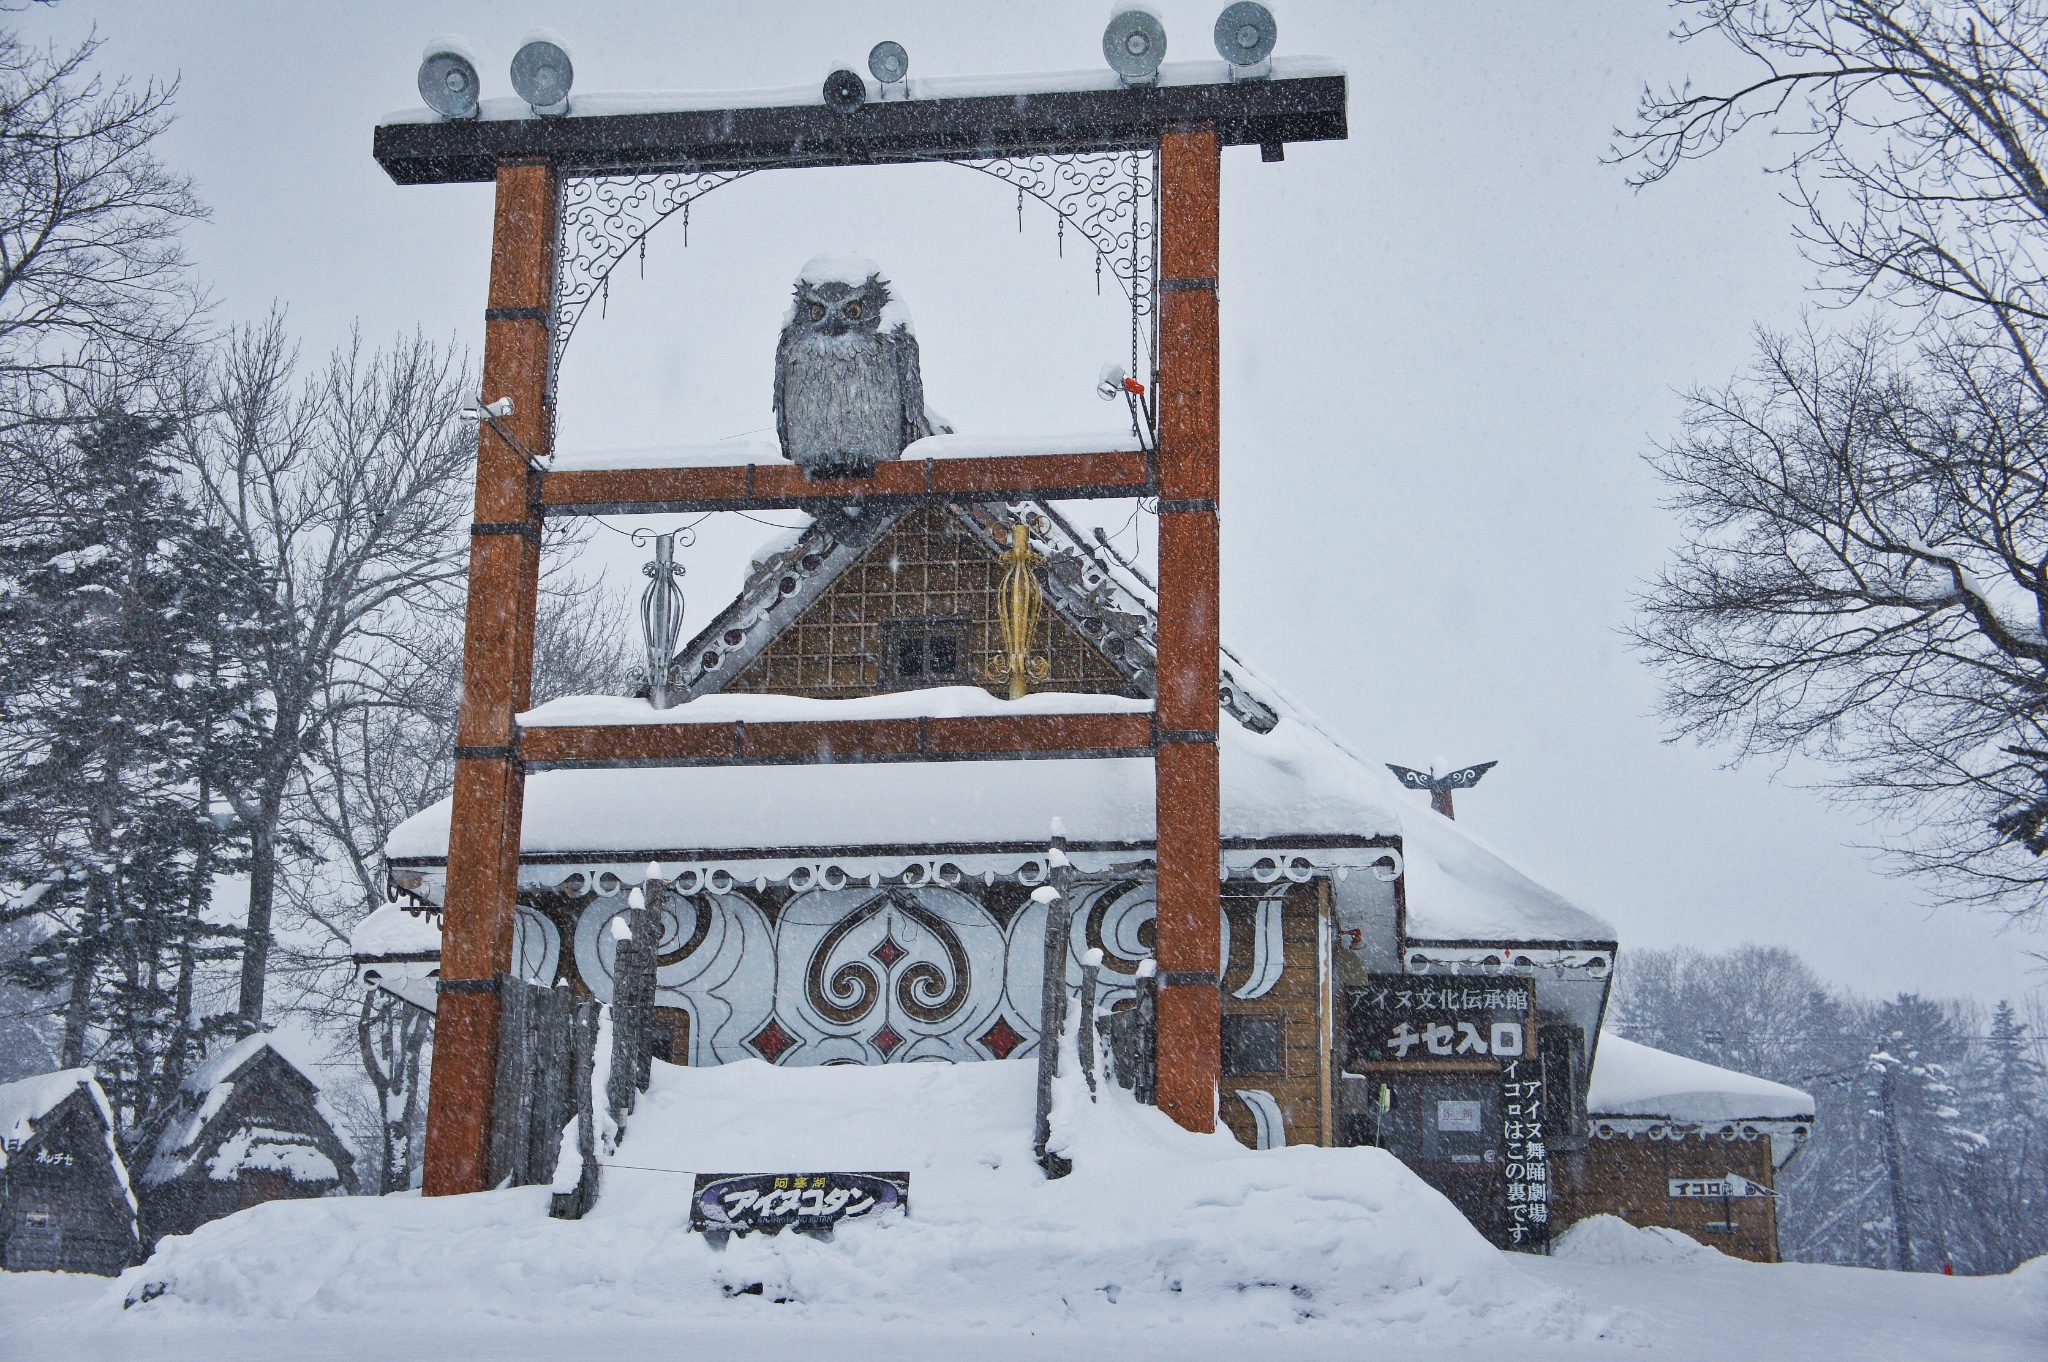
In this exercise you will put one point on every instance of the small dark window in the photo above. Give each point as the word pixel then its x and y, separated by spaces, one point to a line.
pixel 1251 1045
pixel 930 651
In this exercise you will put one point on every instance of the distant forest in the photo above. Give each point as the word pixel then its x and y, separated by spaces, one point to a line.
pixel 1930 1145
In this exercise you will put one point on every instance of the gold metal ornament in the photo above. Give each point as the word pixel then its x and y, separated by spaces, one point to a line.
pixel 1019 603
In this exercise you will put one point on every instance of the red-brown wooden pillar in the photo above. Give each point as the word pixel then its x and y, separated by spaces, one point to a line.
pixel 497 678
pixel 1189 938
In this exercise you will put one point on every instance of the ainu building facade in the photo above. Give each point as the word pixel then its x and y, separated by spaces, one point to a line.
pixel 1386 979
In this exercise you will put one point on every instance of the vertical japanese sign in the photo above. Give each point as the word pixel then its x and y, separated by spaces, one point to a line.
pixel 1526 1156
pixel 1432 1044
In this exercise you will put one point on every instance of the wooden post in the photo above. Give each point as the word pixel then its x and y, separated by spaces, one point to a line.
pixel 1190 1006
pixel 497 676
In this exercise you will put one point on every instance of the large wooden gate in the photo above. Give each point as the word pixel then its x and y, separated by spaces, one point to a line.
pixel 530 160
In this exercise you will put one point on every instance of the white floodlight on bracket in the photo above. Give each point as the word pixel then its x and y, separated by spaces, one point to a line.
pixel 1134 44
pixel 493 414
pixel 448 81
pixel 542 72
pixel 1245 36
pixel 889 64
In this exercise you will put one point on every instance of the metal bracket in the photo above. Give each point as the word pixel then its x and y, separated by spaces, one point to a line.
pixel 1187 978
pixel 491 985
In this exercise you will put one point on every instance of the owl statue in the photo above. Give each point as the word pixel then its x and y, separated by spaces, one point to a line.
pixel 848 392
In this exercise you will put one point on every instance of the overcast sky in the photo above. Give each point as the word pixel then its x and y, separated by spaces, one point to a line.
pixel 1447 344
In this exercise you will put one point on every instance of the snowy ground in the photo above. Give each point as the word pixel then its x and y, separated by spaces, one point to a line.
pixel 1161 1244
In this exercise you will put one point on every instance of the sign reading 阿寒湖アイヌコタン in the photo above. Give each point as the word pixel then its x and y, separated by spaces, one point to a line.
pixel 742 1202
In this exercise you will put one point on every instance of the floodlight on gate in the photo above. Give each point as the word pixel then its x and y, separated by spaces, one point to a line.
pixel 542 72
pixel 888 62
pixel 1245 35
pixel 448 80
pixel 845 91
pixel 1134 44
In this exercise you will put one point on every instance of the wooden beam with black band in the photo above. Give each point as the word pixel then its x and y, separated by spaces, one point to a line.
pixel 497 675
pixel 840 741
pixel 1268 113
pixel 1189 835
pixel 772 487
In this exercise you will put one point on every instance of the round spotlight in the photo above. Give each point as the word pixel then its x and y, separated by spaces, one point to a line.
pixel 888 62
pixel 845 91
pixel 1245 34
pixel 448 80
pixel 542 71
pixel 1134 44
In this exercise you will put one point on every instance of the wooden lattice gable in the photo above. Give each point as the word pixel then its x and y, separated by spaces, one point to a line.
pixel 821 613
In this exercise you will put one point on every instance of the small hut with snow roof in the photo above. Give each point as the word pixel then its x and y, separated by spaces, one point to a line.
pixel 65 1201
pixel 248 1126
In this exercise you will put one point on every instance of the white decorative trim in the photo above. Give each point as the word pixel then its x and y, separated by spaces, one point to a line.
pixel 1440 959
pixel 1786 1133
pixel 1261 865
pixel 1269 950
pixel 1266 1115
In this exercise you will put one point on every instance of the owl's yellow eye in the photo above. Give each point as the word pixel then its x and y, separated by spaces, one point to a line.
pixel 817 311
pixel 853 310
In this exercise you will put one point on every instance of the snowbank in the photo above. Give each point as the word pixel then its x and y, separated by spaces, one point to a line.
pixel 1613 1242
pixel 1156 1226
pixel 1629 1079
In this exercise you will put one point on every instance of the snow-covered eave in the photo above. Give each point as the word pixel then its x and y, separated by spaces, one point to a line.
pixel 917 88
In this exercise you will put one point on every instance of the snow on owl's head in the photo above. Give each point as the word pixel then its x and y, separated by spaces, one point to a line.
pixel 840 294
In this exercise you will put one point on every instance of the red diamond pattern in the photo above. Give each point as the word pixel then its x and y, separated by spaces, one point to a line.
pixel 1001 1038
pixel 771 1041
pixel 888 952
pixel 886 1041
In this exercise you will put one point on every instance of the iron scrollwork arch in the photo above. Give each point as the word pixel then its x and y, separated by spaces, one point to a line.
pixel 600 219
pixel 1110 198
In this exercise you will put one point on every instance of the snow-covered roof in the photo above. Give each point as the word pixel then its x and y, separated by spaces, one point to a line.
pixel 598 105
pixel 1285 783
pixel 1288 784
pixel 391 930
pixel 1462 890
pixel 28 1100
pixel 1630 1079
pixel 203 1095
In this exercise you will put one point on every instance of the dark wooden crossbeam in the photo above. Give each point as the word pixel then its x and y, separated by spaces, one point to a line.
pixel 976 738
pixel 1266 112
pixel 768 487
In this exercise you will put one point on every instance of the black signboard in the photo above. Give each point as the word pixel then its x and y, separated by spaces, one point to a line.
pixel 1403 1017
pixel 738 1203
pixel 1431 1044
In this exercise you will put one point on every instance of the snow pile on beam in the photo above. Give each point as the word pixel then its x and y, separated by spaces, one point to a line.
pixel 1156 1226
pixel 936 702
pixel 614 103
pixel 1634 1080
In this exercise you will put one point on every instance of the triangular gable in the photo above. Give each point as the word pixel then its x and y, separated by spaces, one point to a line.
pixel 821 611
